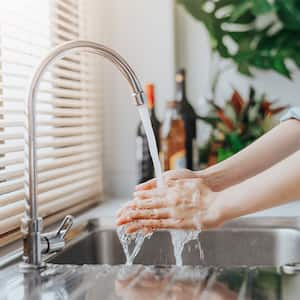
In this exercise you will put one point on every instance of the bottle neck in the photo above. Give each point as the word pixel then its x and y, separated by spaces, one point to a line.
pixel 181 91
pixel 173 114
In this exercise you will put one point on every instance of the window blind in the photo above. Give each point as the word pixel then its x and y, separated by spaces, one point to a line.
pixel 68 112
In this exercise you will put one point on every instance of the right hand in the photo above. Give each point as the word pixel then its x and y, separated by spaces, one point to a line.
pixel 187 204
pixel 167 178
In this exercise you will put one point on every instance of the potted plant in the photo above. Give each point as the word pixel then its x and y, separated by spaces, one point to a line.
pixel 237 124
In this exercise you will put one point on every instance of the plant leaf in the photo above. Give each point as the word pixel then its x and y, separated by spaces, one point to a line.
pixel 260 7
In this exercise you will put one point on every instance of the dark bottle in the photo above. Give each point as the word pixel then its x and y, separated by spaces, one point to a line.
pixel 145 167
pixel 189 117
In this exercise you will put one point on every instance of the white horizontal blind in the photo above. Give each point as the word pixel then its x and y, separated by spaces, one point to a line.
pixel 69 112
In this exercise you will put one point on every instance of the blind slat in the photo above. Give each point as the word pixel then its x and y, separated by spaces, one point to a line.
pixel 57 132
pixel 59 112
pixel 55 122
pixel 48 176
pixel 14 221
pixel 18 158
pixel 57 142
pixel 59 102
pixel 15 234
pixel 47 196
pixel 71 8
pixel 68 26
pixel 19 171
pixel 66 16
pixel 68 113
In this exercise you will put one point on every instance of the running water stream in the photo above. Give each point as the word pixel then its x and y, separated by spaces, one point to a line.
pixel 132 243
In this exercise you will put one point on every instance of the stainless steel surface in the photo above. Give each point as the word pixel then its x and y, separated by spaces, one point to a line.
pixel 55 241
pixel 275 242
pixel 31 223
pixel 147 283
pixel 257 241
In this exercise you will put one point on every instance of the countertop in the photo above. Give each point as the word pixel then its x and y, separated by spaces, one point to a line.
pixel 60 282
pixel 149 282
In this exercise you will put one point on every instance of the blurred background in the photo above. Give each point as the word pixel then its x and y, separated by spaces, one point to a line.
pixel 226 47
pixel 237 66
pixel 217 75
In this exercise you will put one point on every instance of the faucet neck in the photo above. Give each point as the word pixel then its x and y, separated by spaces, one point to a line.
pixel 31 223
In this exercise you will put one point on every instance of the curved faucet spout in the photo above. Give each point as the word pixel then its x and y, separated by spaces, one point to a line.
pixel 31 223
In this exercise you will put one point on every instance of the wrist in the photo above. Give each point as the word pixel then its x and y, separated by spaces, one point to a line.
pixel 215 214
pixel 223 207
pixel 233 202
pixel 214 177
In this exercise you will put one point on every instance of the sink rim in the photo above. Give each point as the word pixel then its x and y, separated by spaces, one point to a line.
pixel 251 225
pixel 86 225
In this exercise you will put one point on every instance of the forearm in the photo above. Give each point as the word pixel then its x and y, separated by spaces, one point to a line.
pixel 275 186
pixel 271 148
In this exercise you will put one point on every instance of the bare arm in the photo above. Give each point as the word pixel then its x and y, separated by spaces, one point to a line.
pixel 275 186
pixel 191 204
pixel 277 144
pixel 271 148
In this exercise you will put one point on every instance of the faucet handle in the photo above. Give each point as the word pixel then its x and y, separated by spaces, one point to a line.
pixel 55 241
pixel 65 226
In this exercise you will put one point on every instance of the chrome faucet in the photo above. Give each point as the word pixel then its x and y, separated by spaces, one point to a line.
pixel 36 243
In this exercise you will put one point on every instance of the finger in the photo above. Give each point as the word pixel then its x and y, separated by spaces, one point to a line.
pixel 151 184
pixel 159 192
pixel 159 224
pixel 123 208
pixel 138 204
pixel 148 203
pixel 144 214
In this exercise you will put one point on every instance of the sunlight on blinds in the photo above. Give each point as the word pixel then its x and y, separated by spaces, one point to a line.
pixel 69 111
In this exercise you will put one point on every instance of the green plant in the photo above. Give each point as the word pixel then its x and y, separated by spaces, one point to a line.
pixel 238 124
pixel 253 33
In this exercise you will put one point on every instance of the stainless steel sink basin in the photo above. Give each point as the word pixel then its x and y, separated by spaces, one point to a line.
pixel 245 242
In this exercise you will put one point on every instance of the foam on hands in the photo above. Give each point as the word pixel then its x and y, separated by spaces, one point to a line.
pixel 132 243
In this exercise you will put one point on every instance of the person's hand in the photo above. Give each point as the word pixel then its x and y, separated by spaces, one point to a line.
pixel 168 176
pixel 181 204
pixel 213 178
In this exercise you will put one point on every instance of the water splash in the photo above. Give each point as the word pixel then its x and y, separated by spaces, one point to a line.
pixel 132 243
pixel 179 239
pixel 144 115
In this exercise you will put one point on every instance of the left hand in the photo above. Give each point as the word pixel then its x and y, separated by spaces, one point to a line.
pixel 182 204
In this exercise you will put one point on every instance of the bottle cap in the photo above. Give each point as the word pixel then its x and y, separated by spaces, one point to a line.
pixel 180 75
pixel 150 95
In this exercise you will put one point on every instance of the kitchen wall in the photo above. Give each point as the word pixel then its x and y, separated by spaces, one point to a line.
pixel 143 32
pixel 156 37
pixel 193 52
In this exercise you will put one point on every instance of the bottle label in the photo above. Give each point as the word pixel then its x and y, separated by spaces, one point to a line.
pixel 178 160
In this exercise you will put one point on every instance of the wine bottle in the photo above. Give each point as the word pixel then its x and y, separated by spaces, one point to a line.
pixel 145 168
pixel 189 117
pixel 173 155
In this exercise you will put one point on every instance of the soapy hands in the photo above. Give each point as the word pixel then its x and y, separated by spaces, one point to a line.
pixel 185 202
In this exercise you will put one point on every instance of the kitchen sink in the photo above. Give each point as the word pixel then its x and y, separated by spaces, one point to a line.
pixel 244 242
